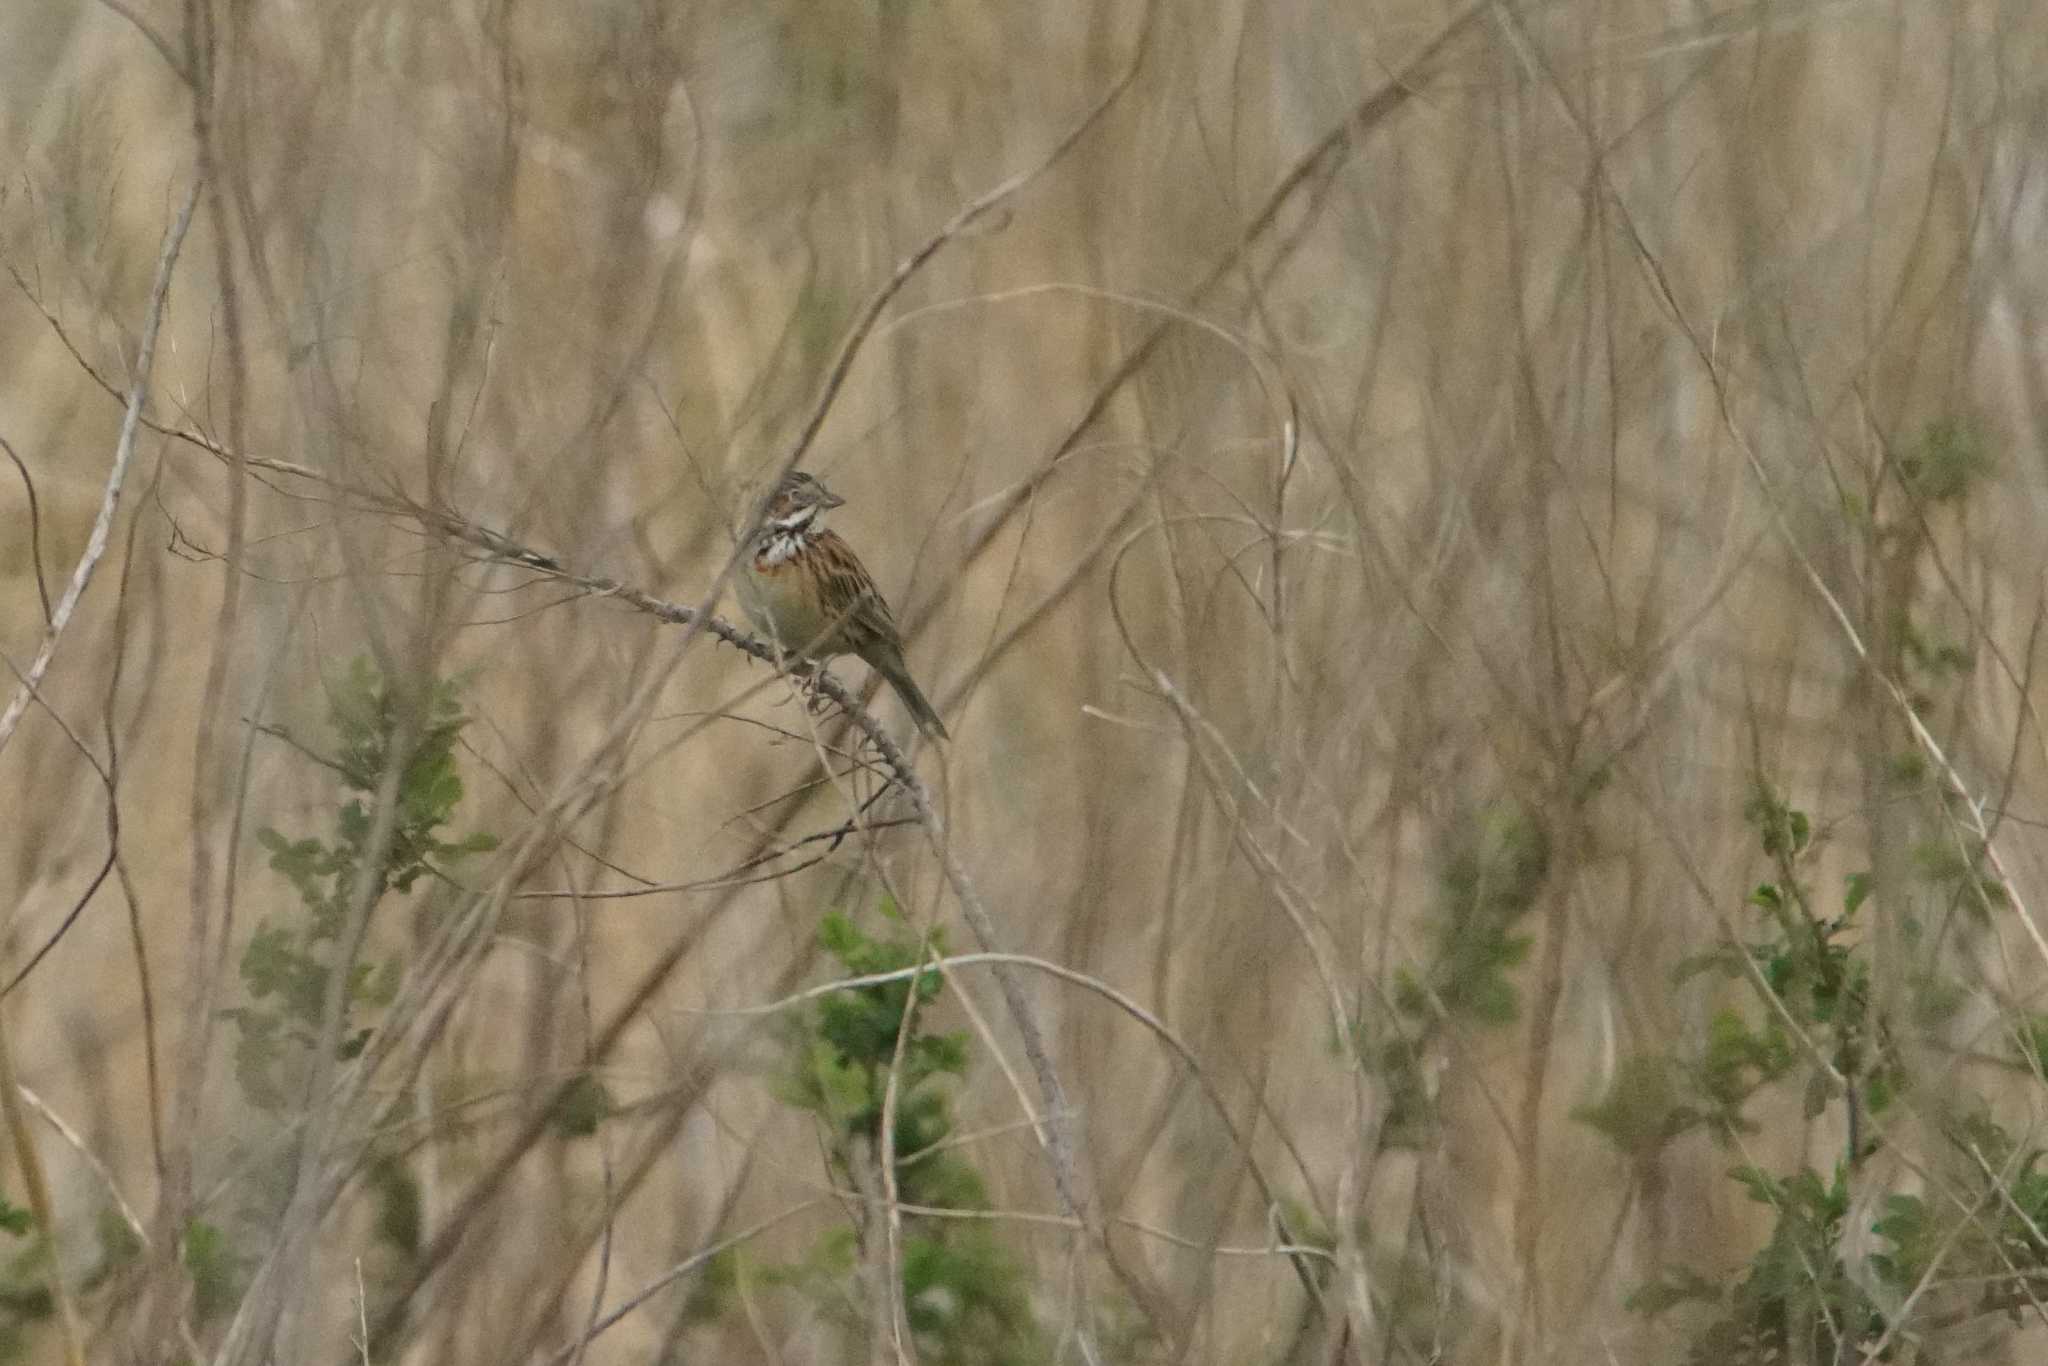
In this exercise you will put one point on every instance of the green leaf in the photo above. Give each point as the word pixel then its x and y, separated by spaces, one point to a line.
pixel 838 1091
pixel 713 1290
pixel 218 1272
pixel 1820 1090
pixel 1950 456
pixel 1724 960
pixel 1683 1286
pixel 1643 1109
pixel 1409 996
pixel 837 936
pixel 582 1105
pixel 270 962
pixel 400 1212
pixel 944 1052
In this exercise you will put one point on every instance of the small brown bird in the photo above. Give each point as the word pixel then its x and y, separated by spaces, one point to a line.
pixel 803 586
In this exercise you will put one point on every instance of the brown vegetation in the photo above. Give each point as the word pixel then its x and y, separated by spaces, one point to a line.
pixel 1403 508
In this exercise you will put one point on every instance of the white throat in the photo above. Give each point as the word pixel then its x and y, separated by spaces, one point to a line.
pixel 785 536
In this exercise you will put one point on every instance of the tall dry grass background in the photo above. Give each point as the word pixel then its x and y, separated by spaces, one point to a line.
pixel 1385 430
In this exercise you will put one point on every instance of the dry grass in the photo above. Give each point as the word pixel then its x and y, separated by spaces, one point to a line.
pixel 1324 455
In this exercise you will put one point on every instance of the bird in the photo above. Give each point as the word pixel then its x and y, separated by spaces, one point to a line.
pixel 803 587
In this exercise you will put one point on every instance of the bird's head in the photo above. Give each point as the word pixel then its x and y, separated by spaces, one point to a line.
pixel 799 502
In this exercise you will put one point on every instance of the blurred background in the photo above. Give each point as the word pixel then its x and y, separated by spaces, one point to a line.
pixel 1411 518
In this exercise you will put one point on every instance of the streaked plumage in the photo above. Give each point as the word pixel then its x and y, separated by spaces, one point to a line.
pixel 804 586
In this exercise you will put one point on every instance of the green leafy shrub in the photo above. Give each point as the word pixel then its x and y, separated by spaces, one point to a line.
pixel 296 947
pixel 1807 1295
pixel 289 960
pixel 1491 867
pixel 965 1294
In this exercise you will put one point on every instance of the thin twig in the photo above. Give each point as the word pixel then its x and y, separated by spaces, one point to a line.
pixel 145 990
pixel 110 496
pixel 362 1333
pixel 604 1148
pixel 156 40
pixel 91 1159
pixel 35 526
pixel 34 1177
pixel 677 1272
pixel 970 213
pixel 99 877
pixel 892 1196
pixel 81 577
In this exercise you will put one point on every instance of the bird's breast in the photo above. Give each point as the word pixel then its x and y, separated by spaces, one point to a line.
pixel 774 592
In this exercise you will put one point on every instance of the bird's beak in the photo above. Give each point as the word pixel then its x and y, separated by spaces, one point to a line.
pixel 832 500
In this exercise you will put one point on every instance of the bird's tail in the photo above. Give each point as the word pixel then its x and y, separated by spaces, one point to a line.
pixel 921 710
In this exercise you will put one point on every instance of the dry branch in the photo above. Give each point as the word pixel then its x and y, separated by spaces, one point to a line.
pixel 31 682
